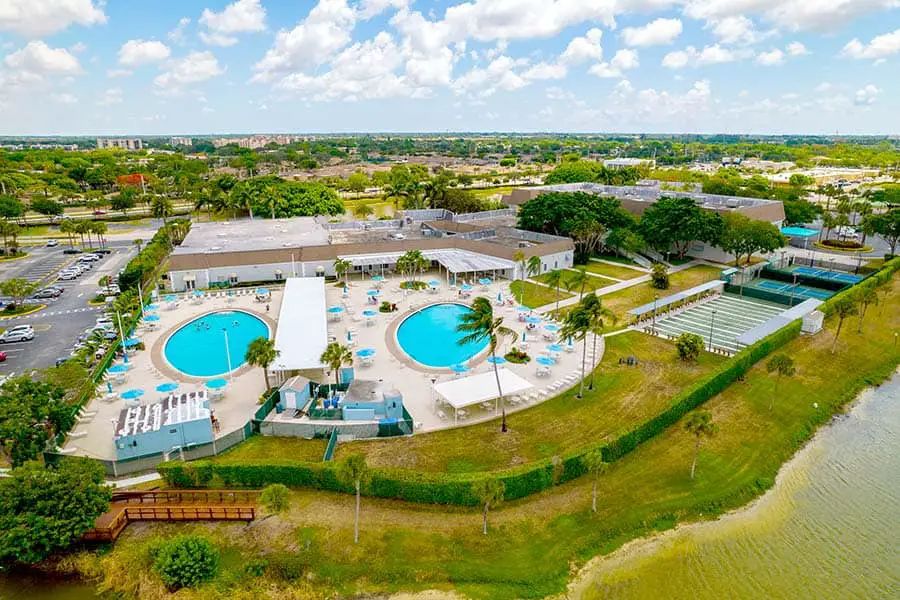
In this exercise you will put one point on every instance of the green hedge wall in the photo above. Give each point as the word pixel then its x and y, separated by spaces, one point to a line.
pixel 456 488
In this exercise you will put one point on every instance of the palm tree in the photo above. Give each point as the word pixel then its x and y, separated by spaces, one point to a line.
pixel 866 295
pixel 490 492
pixel 18 289
pixel 9 229
pixel 139 243
pixel 700 425
pixel 480 324
pixel 100 228
pixel 341 266
pixel 554 279
pixel 336 356
pixel 519 259
pixel 600 316
pixel 354 471
pixel 363 210
pixel 843 308
pixel 577 326
pixel 783 366
pixel 596 466
pixel 81 228
pixel 261 353
pixel 68 228
pixel 161 208
pixel 533 267
pixel 578 281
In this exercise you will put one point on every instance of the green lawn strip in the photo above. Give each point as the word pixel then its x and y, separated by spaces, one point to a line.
pixel 622 301
pixel 614 271
pixel 618 259
pixel 533 543
pixel 261 447
pixel 536 295
pixel 592 284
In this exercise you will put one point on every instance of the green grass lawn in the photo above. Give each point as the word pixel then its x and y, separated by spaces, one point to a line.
pixel 536 295
pixel 616 258
pixel 262 447
pixel 624 300
pixel 592 284
pixel 614 271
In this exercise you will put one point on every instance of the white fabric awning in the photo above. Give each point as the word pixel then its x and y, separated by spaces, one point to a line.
pixel 455 261
pixel 302 332
pixel 475 389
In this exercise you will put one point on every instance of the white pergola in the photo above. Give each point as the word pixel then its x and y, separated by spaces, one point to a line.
pixel 453 260
pixel 475 389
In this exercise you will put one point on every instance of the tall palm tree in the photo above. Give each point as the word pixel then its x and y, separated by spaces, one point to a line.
pixel 577 326
pixel 865 296
pixel 100 228
pixel 341 267
pixel 596 466
pixel 480 324
pixel 600 317
pixel 783 366
pixel 578 281
pixel 354 471
pixel 519 259
pixel 843 308
pixel 138 243
pixel 261 353
pixel 700 425
pixel 336 356
pixel 68 227
pixel 490 492
pixel 554 279
pixel 533 267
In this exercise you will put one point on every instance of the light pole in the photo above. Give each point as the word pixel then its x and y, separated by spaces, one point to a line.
pixel 122 338
pixel 712 324
pixel 793 289
pixel 655 300
pixel 433 402
pixel 228 356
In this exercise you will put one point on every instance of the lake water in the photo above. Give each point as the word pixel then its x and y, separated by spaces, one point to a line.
pixel 830 528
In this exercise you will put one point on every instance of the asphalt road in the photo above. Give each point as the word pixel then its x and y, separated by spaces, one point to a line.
pixel 65 318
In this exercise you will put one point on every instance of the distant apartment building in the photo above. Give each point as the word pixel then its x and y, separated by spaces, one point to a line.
pixel 121 143
pixel 256 142
pixel 625 163
pixel 181 141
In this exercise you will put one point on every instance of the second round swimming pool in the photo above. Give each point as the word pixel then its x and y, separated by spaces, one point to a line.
pixel 198 348
pixel 430 338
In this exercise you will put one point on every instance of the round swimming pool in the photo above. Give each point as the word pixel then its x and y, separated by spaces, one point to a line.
pixel 430 338
pixel 198 348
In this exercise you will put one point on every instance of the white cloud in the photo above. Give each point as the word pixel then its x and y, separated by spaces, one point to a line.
pixel 114 73
pixel 242 16
pixel 499 74
pixel 371 8
pixel 311 43
pixel 110 96
pixel 649 105
pixel 866 96
pixel 736 29
pixel 824 86
pixel 134 53
pixel 790 96
pixel 771 58
pixel 37 18
pixel 177 35
pixel 710 55
pixel 78 47
pixel 557 93
pixel 623 60
pixel 194 68
pixel 585 48
pixel 39 59
pixel 655 33
pixel 64 98
pixel 797 49
pixel 545 71
pixel 791 14
pixel 879 47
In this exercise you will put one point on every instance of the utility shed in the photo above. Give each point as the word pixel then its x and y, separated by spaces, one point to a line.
pixel 178 422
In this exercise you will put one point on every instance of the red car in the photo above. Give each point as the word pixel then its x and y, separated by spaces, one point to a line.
pixel 99 212
pixel 2 356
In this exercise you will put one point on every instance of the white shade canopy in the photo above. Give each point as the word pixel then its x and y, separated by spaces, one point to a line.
pixel 302 332
pixel 476 389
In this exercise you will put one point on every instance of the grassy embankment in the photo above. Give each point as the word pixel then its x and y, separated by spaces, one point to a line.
pixel 608 270
pixel 536 295
pixel 534 543
pixel 591 285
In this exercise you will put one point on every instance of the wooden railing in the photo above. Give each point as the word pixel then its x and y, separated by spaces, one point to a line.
pixel 187 497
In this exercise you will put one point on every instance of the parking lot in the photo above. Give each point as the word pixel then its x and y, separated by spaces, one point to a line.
pixel 66 317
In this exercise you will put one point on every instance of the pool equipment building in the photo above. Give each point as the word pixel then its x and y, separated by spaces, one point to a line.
pixel 175 424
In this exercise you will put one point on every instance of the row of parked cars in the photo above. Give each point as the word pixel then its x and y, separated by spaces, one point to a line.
pixel 82 265
pixel 19 333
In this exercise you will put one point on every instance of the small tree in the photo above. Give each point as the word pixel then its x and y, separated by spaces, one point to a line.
pixel 866 295
pixel 261 353
pixel 490 492
pixel 336 356
pixel 596 466
pixel 659 276
pixel 578 281
pixel 554 279
pixel 519 259
pixel 276 498
pixel 700 425
pixel 843 308
pixel 18 289
pixel 689 346
pixel 781 365
pixel 363 210
pixel 354 471
pixel 577 326
pixel 186 561
pixel 341 267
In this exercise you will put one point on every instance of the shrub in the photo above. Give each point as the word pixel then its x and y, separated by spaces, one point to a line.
pixel 256 568
pixel 843 244
pixel 516 356
pixel 276 498
pixel 413 285
pixel 660 276
pixel 186 561
pixel 689 346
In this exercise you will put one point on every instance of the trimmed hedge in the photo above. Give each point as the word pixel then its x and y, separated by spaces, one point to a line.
pixel 522 481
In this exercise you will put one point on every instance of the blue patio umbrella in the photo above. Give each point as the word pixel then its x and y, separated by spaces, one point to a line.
pixel 346 291
pixel 554 348
pixel 216 384
pixel 170 386
pixel 365 352
pixel 117 369
pixel 132 342
pixel 499 296
pixel 152 307
pixel 197 294
pixel 132 394
pixel 543 360
pixel 485 281
pixel 551 327
pixel 377 278
pixel 523 336
pixel 373 293
pixel 466 287
pixel 109 387
pixel 262 291
pixel 349 337
pixel 532 320
pixel 336 309
pixel 496 360
pixel 523 309
pixel 569 342
pixel 171 298
pixel 459 368
pixel 434 283
pixel 369 313
pixel 151 318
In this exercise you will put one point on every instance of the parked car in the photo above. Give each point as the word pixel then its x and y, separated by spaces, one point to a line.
pixel 99 212
pixel 61 360
pixel 72 251
pixel 103 251
pixel 21 333
pixel 58 288
pixel 92 257
pixel 47 293
pixel 52 243
pixel 2 356
pixel 67 275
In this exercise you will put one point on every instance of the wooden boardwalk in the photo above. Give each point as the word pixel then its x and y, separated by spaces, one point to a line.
pixel 172 505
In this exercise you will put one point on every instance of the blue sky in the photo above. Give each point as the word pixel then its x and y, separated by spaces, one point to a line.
pixel 213 66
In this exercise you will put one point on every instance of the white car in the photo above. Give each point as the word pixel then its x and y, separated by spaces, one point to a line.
pixel 88 258
pixel 20 333
pixel 67 275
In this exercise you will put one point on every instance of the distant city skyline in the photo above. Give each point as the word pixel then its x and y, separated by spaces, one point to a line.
pixel 129 69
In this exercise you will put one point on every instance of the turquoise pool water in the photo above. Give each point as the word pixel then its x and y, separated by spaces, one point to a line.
pixel 198 348
pixel 430 338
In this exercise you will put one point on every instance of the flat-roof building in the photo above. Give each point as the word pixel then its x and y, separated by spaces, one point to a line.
pixel 121 143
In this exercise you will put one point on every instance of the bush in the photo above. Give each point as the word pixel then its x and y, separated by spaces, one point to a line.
pixel 413 285
pixel 660 276
pixel 516 356
pixel 186 561
pixel 689 346
pixel 843 244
